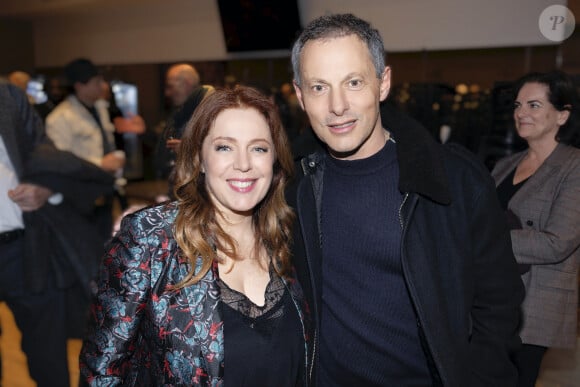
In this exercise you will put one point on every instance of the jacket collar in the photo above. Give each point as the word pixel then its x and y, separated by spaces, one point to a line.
pixel 421 167
pixel 420 157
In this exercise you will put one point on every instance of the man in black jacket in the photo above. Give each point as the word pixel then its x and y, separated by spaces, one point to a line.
pixel 47 244
pixel 401 246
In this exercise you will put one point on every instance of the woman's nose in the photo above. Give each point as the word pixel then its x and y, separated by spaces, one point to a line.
pixel 242 161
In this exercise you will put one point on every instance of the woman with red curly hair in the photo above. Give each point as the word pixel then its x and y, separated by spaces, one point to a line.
pixel 201 290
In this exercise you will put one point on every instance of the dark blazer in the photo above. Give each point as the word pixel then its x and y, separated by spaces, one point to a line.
pixel 548 206
pixel 456 257
pixel 60 236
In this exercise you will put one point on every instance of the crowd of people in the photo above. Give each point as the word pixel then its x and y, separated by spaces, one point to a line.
pixel 317 236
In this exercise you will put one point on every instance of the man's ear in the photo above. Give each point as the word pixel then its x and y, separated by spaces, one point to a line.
pixel 298 94
pixel 385 85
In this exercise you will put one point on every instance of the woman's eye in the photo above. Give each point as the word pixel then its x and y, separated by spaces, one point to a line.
pixel 261 149
pixel 222 148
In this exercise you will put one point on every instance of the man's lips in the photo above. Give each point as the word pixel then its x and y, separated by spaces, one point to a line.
pixel 340 127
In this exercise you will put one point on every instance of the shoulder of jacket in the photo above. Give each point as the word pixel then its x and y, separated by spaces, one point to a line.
pixel 570 159
pixel 61 110
pixel 572 153
pixel 154 216
pixel 12 94
pixel 310 163
pixel 458 157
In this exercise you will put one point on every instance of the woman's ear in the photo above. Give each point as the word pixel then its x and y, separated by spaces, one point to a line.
pixel 201 165
pixel 563 116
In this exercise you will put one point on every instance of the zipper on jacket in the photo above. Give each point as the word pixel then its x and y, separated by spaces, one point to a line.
pixel 307 167
pixel 401 223
pixel 431 364
pixel 308 374
pixel 313 354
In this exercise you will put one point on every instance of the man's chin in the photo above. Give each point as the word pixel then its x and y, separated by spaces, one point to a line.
pixel 343 153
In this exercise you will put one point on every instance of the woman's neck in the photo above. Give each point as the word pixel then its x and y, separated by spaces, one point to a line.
pixel 539 151
pixel 239 228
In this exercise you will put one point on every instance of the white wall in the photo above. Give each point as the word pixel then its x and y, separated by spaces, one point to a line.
pixel 173 30
pixel 412 25
pixel 166 31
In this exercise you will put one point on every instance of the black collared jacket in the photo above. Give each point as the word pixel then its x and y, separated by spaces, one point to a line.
pixel 456 257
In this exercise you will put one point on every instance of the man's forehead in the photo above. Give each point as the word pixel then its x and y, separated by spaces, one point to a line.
pixel 173 80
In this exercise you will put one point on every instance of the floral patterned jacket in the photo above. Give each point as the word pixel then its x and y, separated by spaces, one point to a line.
pixel 144 334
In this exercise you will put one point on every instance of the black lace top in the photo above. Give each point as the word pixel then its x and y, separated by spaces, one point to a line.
pixel 264 345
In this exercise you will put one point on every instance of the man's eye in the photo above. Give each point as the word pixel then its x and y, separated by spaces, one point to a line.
pixel 355 83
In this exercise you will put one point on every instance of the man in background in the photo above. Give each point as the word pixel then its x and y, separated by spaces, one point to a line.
pixel 47 245
pixel 81 126
pixel 184 91
pixel 20 79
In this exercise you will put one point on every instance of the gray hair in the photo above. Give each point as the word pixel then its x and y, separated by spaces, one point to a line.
pixel 339 25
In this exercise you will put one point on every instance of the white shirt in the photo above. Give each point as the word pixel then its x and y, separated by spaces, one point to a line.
pixel 10 212
pixel 72 128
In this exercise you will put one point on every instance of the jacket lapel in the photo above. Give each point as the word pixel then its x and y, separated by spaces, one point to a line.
pixel 204 305
pixel 549 167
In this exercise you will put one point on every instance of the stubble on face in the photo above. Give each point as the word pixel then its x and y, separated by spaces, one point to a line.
pixel 340 93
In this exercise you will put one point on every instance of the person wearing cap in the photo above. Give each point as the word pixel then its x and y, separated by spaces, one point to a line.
pixel 80 125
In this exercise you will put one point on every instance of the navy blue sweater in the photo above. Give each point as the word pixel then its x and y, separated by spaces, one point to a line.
pixel 368 334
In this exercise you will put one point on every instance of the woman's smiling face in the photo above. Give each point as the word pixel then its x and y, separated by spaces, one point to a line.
pixel 238 159
pixel 535 117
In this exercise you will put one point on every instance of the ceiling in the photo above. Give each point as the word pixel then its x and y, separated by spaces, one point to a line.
pixel 31 9
pixel 112 31
pixel 34 9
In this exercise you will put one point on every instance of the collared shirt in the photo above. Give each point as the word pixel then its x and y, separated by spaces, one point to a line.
pixel 11 218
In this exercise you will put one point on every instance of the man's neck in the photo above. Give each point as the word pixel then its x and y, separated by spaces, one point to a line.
pixel 89 103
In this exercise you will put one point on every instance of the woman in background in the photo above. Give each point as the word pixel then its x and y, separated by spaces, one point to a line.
pixel 200 291
pixel 540 191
